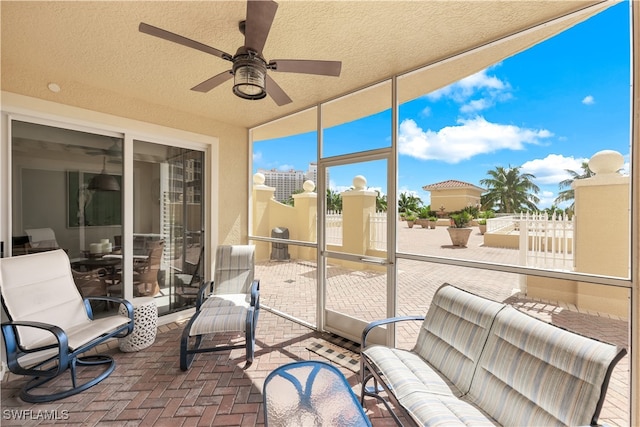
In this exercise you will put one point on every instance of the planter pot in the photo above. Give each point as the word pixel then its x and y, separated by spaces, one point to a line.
pixel 410 224
pixel 483 228
pixel 432 224
pixel 459 236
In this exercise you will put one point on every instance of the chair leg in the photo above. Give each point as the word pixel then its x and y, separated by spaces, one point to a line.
pixel 249 337
pixel 186 354
pixel 27 396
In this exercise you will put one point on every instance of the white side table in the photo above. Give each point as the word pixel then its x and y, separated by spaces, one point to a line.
pixel 145 325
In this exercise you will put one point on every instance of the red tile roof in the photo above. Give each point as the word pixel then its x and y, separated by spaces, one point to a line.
pixel 450 184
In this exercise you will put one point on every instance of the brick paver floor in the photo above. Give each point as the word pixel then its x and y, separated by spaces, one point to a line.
pixel 148 388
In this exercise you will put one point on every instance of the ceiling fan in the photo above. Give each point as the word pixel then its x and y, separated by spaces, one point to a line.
pixel 249 68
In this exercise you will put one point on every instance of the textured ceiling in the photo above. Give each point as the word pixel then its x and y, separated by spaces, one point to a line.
pixel 94 51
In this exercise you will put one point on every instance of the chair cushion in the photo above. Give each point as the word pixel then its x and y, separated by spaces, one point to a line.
pixel 234 269
pixel 454 331
pixel 42 294
pixel 86 332
pixel 227 313
pixel 534 373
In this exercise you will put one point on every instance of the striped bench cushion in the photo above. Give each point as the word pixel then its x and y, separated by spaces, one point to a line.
pixel 534 373
pixel 405 372
pixel 433 410
pixel 221 313
pixel 454 332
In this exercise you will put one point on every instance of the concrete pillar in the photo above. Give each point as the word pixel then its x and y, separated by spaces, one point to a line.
pixel 261 196
pixel 357 205
pixel 602 233
pixel 306 205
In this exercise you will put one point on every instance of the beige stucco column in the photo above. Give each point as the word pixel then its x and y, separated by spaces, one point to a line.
pixel 357 205
pixel 602 230
pixel 305 205
pixel 261 194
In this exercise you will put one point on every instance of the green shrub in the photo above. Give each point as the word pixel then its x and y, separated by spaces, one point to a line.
pixel 461 220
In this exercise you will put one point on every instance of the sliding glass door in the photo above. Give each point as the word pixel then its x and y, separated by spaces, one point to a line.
pixel 68 192
pixel 168 226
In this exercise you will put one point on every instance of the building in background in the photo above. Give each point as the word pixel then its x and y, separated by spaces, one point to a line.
pixel 289 182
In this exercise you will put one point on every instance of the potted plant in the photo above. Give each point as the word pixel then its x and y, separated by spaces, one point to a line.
pixel 482 225
pixel 459 230
pixel 432 222
pixel 423 217
pixel 482 221
pixel 411 219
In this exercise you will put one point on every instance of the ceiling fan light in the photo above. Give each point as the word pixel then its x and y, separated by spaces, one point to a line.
pixel 104 181
pixel 249 79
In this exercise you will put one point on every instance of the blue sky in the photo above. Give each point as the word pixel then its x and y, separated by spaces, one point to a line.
pixel 546 110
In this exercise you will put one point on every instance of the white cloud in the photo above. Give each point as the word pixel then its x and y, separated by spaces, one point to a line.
pixel 588 100
pixel 476 105
pixel 453 144
pixel 257 156
pixel 485 90
pixel 546 199
pixel 426 112
pixel 285 168
pixel 552 169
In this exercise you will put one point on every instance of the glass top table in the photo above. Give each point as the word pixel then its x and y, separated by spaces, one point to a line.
pixel 310 393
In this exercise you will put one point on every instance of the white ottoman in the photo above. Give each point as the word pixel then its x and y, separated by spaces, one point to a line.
pixel 145 325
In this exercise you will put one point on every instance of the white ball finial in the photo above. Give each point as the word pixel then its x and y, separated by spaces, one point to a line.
pixel 258 179
pixel 606 162
pixel 360 182
pixel 308 186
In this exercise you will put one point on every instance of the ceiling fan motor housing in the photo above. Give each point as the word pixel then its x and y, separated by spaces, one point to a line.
pixel 249 71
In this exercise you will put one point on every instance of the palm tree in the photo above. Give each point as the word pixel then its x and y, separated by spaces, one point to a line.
pixel 509 190
pixel 290 200
pixel 408 202
pixel 381 202
pixel 567 194
pixel 334 201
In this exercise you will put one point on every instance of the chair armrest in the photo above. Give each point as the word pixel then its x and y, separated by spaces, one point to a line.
pixel 127 305
pixel 255 294
pixel 14 350
pixel 203 294
pixel 377 323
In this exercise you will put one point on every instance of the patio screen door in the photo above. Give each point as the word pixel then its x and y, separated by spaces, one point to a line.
pixel 355 266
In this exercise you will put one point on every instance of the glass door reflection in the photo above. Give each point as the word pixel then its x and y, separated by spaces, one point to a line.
pixel 168 224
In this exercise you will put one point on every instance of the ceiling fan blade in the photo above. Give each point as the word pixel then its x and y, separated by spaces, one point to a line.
pixel 276 92
pixel 323 68
pixel 214 81
pixel 260 15
pixel 172 37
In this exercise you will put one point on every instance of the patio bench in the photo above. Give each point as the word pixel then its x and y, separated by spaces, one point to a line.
pixel 480 362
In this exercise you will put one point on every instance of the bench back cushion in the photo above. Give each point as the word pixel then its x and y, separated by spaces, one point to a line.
pixel 40 287
pixel 534 373
pixel 454 332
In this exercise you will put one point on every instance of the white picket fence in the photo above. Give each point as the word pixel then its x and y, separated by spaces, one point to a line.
pixel 546 242
pixel 378 231
pixel 333 228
